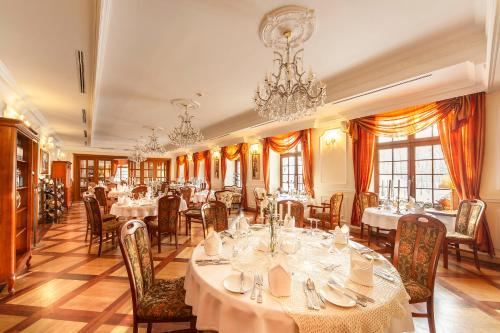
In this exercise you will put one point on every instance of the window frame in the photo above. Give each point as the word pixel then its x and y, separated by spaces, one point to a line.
pixel 295 153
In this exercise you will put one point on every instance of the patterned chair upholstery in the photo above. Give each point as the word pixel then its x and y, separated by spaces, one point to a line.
pixel 237 195
pixel 166 222
pixel 187 193
pixel 259 194
pixel 296 210
pixel 469 216
pixel 416 255
pixel 137 191
pixel 366 199
pixel 225 197
pixel 100 195
pixel 153 300
pixel 194 215
pixel 214 213
pixel 329 219
pixel 98 226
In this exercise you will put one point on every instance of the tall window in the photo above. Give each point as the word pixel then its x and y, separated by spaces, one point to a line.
pixel 417 158
pixel 237 173
pixel 291 170
pixel 104 170
pixel 121 173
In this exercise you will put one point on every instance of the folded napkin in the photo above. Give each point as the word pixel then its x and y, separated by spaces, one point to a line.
pixel 290 245
pixel 213 244
pixel 361 270
pixel 289 221
pixel 280 281
pixel 263 245
pixel 340 237
pixel 242 224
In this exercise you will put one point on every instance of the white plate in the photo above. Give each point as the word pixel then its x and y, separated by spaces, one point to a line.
pixel 232 283
pixel 336 298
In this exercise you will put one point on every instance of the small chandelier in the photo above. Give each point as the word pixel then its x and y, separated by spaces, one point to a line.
pixel 185 134
pixel 153 146
pixel 289 93
pixel 137 155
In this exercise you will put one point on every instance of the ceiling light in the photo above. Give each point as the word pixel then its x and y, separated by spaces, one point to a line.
pixel 185 134
pixel 137 155
pixel 153 146
pixel 288 93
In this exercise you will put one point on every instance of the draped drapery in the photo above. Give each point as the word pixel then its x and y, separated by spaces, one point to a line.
pixel 182 160
pixel 284 143
pixel 115 164
pixel 461 131
pixel 203 156
pixel 232 152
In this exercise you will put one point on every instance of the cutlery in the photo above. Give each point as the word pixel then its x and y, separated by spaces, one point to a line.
pixel 339 288
pixel 252 296
pixel 242 280
pixel 331 267
pixel 384 275
pixel 308 299
pixel 315 292
pixel 358 295
pixel 310 288
pixel 213 263
pixel 260 284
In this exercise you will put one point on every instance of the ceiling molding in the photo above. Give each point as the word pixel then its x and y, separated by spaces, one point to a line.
pixel 492 44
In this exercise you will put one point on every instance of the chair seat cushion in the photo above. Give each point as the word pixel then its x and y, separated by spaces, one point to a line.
pixel 324 216
pixel 418 292
pixel 452 235
pixel 108 217
pixel 111 225
pixel 152 223
pixel 196 213
pixel 164 301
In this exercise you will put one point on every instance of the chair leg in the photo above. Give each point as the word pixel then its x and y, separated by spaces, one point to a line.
pixel 176 241
pixel 90 242
pixel 136 327
pixel 158 234
pixel 362 227
pixel 203 227
pixel 192 324
pixel 87 231
pixel 100 246
pixel 150 327
pixel 377 235
pixel 457 250
pixel 430 314
pixel 476 258
pixel 369 235
pixel 445 253
pixel 186 220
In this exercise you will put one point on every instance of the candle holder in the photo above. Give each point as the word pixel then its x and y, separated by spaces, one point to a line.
pixel 398 209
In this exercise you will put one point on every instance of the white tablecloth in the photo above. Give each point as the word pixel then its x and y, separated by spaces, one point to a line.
pixel 140 211
pixel 219 310
pixel 305 201
pixel 387 219
pixel 201 196
pixel 118 194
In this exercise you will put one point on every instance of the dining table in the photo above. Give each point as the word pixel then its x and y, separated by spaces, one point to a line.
pixel 304 200
pixel 140 208
pixel 319 258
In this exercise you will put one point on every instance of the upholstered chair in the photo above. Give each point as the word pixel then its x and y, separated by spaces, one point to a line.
pixel 194 215
pixel 329 215
pixel 100 195
pixel 365 200
pixel 153 300
pixel 214 214
pixel 138 190
pixel 259 194
pixel 226 197
pixel 296 210
pixel 99 227
pixel 470 214
pixel 416 255
pixel 237 195
pixel 166 221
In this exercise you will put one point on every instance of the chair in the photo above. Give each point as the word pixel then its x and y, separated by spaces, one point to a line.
pixel 105 218
pixel 164 187
pixel 153 300
pixel 214 213
pixel 186 193
pixel 237 195
pixel 194 214
pixel 226 197
pixel 259 194
pixel 98 227
pixel 296 210
pixel 332 216
pixel 416 255
pixel 138 190
pixel 366 200
pixel 100 195
pixel 166 221
pixel 470 214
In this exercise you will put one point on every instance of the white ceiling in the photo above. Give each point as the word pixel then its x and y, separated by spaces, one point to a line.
pixel 152 51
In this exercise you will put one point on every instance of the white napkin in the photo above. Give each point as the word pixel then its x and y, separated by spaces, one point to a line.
pixel 340 237
pixel 361 270
pixel 280 281
pixel 242 224
pixel 263 245
pixel 213 244
pixel 289 221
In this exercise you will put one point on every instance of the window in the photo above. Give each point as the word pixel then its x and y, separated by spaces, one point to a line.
pixel 291 170
pixel 121 173
pixel 104 170
pixel 237 173
pixel 416 160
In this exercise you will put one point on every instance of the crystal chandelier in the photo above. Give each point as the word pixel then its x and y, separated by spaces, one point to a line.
pixel 137 155
pixel 185 134
pixel 153 146
pixel 288 93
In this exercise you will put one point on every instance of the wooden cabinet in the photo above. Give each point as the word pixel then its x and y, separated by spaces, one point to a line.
pixel 61 171
pixel 18 179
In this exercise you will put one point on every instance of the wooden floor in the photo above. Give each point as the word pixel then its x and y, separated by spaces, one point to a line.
pixel 68 290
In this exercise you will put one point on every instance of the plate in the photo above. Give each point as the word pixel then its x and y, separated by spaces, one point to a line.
pixel 336 297
pixel 257 226
pixel 232 283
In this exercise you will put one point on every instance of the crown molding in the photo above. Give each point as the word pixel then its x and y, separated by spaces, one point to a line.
pixel 492 44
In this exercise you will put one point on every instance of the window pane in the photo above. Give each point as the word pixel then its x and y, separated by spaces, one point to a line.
pixel 440 167
pixel 437 180
pixel 439 194
pixel 401 167
pixel 438 152
pixel 423 181
pixel 424 195
pixel 423 152
pixel 101 164
pixel 400 154
pixel 425 133
pixel 423 167
pixel 385 155
pixel 403 180
pixel 385 168
pixel 90 163
pixel 285 161
pixel 400 138
pixel 83 172
pixel 82 163
pixel 383 139
pixel 285 170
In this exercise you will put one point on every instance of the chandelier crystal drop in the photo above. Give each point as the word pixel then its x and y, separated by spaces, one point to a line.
pixel 137 155
pixel 153 146
pixel 185 134
pixel 289 93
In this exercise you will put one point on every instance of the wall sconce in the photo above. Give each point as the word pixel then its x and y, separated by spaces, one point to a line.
pixel 254 149
pixel 189 157
pixel 331 136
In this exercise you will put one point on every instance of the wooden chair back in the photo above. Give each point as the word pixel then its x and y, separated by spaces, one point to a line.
pixel 367 199
pixel 164 187
pixel 470 214
pixel 225 197
pixel 94 215
pixel 136 252
pixel 296 210
pixel 214 213
pixel 100 195
pixel 138 190
pixel 418 243
pixel 335 207
pixel 186 193
pixel 168 213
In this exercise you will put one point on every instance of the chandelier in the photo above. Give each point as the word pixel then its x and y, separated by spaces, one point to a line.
pixel 153 146
pixel 185 134
pixel 137 155
pixel 289 93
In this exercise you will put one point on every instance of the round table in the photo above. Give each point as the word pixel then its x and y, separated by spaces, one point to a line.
pixel 388 219
pixel 305 201
pixel 118 194
pixel 136 209
pixel 201 196
pixel 219 310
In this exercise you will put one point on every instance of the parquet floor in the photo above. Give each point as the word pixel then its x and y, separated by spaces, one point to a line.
pixel 68 290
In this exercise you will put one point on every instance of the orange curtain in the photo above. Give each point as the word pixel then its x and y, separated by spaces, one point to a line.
pixel 282 144
pixel 208 167
pixel 197 157
pixel 182 160
pixel 203 156
pixel 462 140
pixel 232 152
pixel 114 167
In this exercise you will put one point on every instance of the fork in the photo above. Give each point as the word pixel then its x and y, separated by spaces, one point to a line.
pixel 260 283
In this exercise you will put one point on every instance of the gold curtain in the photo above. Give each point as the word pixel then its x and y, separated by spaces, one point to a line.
pixel 197 158
pixel 232 152
pixel 182 160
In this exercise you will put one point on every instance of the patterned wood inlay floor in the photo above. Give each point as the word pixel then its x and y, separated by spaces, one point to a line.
pixel 68 290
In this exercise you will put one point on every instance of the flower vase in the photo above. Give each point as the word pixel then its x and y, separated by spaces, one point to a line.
pixel 273 238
